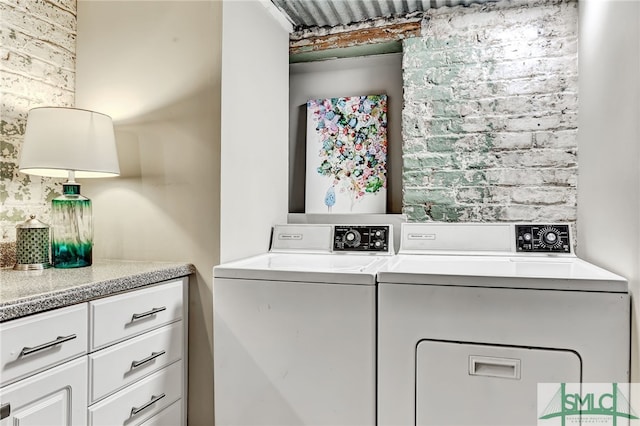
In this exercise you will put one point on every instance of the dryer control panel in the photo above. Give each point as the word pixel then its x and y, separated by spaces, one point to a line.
pixel 543 239
pixel 361 238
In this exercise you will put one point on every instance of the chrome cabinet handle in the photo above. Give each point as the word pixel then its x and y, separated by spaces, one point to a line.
pixel 154 399
pixel 154 355
pixel 5 410
pixel 148 313
pixel 60 339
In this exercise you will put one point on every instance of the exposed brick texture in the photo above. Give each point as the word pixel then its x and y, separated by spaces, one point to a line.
pixel 37 68
pixel 490 113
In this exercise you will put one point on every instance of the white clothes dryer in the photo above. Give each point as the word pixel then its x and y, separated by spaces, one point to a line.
pixel 295 328
pixel 472 317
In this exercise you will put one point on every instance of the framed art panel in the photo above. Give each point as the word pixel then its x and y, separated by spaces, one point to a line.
pixel 346 164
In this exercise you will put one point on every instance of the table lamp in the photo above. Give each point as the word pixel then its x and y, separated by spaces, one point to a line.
pixel 73 143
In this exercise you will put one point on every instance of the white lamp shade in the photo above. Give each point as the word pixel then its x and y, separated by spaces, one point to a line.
pixel 58 140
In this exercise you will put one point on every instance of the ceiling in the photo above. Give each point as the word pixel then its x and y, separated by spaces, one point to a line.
pixel 307 14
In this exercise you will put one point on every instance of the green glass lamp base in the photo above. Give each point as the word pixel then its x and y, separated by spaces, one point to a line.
pixel 72 240
pixel 71 255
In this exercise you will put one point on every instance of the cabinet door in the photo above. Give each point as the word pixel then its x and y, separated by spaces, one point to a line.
pixel 475 384
pixel 54 397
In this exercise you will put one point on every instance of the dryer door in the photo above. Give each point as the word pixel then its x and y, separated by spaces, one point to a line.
pixel 478 384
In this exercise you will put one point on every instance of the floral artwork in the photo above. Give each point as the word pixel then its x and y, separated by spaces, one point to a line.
pixel 347 155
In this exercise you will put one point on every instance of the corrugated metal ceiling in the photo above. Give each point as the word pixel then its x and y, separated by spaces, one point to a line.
pixel 305 14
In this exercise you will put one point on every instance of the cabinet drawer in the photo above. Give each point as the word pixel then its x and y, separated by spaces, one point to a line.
pixel 57 396
pixel 41 341
pixel 116 366
pixel 141 400
pixel 170 416
pixel 116 318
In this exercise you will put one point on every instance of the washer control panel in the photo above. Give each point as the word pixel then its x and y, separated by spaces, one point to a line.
pixel 361 238
pixel 543 239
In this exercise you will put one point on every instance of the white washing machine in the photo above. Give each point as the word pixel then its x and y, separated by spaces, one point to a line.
pixel 295 329
pixel 471 317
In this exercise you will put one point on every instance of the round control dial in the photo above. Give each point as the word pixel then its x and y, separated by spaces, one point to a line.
pixel 550 237
pixel 352 238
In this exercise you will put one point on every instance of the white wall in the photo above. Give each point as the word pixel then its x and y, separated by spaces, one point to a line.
pixel 368 75
pixel 609 146
pixel 154 66
pixel 199 94
pixel 254 162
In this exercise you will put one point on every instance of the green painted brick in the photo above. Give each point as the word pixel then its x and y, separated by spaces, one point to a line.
pixel 415 77
pixel 414 146
pixel 434 43
pixel 427 93
pixel 444 108
pixel 443 126
pixel 429 196
pixel 428 162
pixel 413 178
pixel 429 58
pixel 441 143
pixel 443 75
pixel 474 194
pixel 446 213
pixel 452 178
pixel 416 214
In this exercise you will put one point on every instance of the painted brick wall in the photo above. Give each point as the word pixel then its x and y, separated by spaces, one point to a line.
pixel 490 114
pixel 37 68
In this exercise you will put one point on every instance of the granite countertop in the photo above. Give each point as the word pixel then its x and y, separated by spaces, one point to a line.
pixel 28 292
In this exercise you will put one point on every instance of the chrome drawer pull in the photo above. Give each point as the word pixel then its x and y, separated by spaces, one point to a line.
pixel 59 339
pixel 154 355
pixel 154 399
pixel 5 410
pixel 148 313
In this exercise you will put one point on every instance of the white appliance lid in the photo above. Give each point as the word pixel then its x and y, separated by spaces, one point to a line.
pixel 304 267
pixel 554 273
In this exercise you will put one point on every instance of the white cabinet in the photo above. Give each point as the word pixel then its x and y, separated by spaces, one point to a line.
pixel 141 400
pixel 38 342
pixel 40 385
pixel 115 367
pixel 137 362
pixel 56 396
pixel 120 360
pixel 116 318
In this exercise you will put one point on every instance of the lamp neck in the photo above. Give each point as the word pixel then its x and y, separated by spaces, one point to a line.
pixel 71 188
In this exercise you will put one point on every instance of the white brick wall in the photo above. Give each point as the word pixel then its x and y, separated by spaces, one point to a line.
pixel 490 114
pixel 37 68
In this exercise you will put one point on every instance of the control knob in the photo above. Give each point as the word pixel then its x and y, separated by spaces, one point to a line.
pixel 550 237
pixel 352 238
